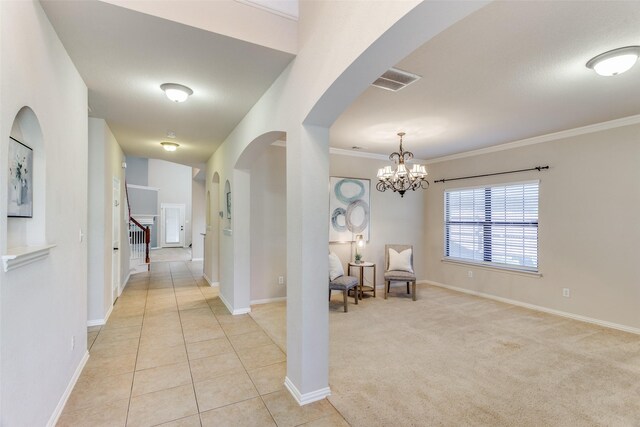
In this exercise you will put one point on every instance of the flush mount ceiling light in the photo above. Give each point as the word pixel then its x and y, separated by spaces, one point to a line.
pixel 615 61
pixel 402 179
pixel 169 146
pixel 176 92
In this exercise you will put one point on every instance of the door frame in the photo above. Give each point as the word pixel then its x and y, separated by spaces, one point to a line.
pixel 182 242
pixel 116 240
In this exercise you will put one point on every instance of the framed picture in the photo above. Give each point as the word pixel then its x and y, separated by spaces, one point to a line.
pixel 349 209
pixel 229 205
pixel 20 180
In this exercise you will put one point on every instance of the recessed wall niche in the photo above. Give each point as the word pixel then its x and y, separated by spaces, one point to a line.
pixel 29 231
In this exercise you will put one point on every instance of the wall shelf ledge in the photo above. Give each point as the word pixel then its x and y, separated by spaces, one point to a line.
pixel 23 255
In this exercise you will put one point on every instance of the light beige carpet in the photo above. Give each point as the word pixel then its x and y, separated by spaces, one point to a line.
pixel 458 360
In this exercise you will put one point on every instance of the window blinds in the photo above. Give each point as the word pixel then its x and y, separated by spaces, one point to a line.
pixel 496 225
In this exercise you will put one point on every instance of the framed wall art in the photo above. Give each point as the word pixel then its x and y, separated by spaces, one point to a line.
pixel 349 208
pixel 20 180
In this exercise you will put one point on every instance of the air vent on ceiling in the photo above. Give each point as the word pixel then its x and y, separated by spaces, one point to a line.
pixel 395 79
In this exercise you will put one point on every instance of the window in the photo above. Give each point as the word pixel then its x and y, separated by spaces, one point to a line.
pixel 496 225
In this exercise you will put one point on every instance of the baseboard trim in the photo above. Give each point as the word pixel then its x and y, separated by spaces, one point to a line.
pixel 305 399
pixel 560 313
pixel 230 308
pixel 65 396
pixel 212 284
pixel 197 259
pixel 100 322
pixel 267 300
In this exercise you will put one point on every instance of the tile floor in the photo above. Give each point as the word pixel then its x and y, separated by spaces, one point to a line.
pixel 172 355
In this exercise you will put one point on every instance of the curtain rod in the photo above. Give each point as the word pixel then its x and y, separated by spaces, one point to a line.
pixel 537 168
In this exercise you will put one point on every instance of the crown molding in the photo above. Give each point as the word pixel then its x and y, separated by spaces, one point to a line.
pixel 352 153
pixel 597 127
pixel 362 154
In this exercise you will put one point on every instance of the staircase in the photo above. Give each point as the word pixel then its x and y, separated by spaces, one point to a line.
pixel 139 240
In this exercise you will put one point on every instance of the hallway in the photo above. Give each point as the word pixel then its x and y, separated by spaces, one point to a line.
pixel 171 353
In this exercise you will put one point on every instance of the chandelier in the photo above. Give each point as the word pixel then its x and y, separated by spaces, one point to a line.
pixel 402 179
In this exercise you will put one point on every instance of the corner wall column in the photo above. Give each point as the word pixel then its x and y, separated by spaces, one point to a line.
pixel 307 263
pixel 241 220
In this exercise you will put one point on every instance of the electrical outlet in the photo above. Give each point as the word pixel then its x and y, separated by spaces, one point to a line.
pixel 470 273
pixel 280 280
pixel 73 342
pixel 566 292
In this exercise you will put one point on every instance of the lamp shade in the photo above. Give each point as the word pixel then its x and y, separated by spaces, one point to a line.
pixel 176 92
pixel 615 61
pixel 169 146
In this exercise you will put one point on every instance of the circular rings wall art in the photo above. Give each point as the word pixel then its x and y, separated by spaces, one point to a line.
pixel 349 204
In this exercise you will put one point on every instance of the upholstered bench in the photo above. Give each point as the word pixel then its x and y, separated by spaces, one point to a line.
pixel 344 284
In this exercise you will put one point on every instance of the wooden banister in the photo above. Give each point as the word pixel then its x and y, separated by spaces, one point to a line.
pixel 147 238
pixel 145 230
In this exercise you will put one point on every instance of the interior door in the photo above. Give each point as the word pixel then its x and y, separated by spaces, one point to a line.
pixel 115 239
pixel 172 225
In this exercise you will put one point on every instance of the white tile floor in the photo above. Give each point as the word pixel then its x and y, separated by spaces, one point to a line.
pixel 171 354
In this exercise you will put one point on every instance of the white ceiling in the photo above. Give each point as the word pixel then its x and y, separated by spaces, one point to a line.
pixel 124 56
pixel 512 70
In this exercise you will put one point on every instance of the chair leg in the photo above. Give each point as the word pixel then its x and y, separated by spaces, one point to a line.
pixel 345 300
pixel 386 289
pixel 355 294
pixel 414 291
pixel 329 294
pixel 407 288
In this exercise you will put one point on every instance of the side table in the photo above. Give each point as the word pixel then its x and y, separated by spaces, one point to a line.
pixel 361 287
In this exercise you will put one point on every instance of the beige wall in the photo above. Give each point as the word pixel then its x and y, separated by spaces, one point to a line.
pixel 198 220
pixel 588 232
pixel 393 219
pixel 174 181
pixel 268 224
pixel 105 164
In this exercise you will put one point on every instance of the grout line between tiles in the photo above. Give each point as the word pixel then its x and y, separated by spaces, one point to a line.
pixel 133 378
pixel 184 341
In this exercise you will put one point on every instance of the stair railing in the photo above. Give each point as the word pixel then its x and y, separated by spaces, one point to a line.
pixel 139 238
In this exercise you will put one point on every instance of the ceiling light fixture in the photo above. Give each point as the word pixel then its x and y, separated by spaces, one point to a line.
pixel 169 146
pixel 402 179
pixel 615 61
pixel 176 92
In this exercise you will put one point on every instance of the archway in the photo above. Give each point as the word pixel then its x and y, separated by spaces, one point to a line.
pixel 263 165
pixel 305 103
pixel 238 296
pixel 26 225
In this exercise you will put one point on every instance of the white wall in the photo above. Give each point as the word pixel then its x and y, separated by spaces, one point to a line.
pixel 198 220
pixel 268 224
pixel 105 159
pixel 588 233
pixel 44 304
pixel 174 181
pixel 98 298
